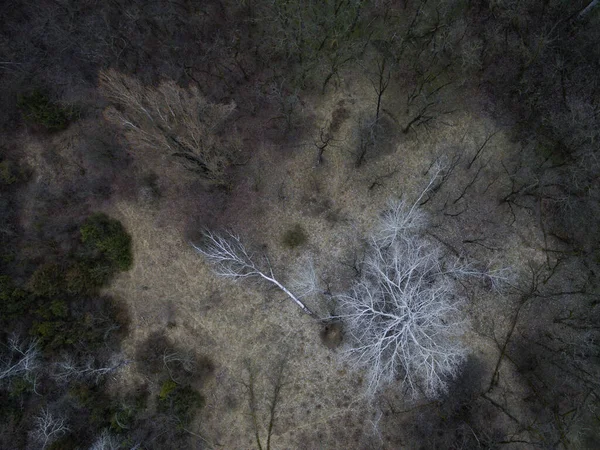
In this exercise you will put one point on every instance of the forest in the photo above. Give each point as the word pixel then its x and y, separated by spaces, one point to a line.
pixel 299 224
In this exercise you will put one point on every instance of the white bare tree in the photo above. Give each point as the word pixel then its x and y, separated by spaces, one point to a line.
pixel 305 282
pixel 21 358
pixel 48 427
pixel 67 369
pixel 105 441
pixel 402 315
pixel 232 260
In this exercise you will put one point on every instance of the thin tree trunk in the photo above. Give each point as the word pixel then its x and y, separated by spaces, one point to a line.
pixel 588 9
pixel 289 294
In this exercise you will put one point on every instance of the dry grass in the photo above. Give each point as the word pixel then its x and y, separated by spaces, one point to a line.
pixel 323 404
pixel 228 323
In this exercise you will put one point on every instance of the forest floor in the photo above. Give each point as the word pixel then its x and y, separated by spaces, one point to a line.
pixel 244 325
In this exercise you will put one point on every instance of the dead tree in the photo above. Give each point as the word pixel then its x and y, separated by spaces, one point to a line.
pixel 324 139
pixel 480 149
pixel 380 83
pixel 20 359
pixel 48 427
pixel 402 314
pixel 174 120
pixel 67 369
pixel 587 10
pixel 106 441
pixel 230 259
pixel 402 317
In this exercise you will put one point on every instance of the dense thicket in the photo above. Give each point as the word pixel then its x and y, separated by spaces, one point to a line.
pixel 60 336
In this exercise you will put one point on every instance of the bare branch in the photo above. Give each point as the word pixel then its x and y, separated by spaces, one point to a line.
pixel 105 441
pixel 306 282
pixel 403 312
pixel 21 359
pixel 402 316
pixel 67 369
pixel 171 119
pixel 480 149
pixel 48 427
pixel 231 259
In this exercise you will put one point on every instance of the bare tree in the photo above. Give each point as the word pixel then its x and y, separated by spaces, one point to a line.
pixel 288 105
pixel 324 138
pixel 380 82
pixel 68 369
pixel 169 118
pixel 367 132
pixel 423 102
pixel 481 147
pixel 105 441
pixel 232 260
pixel 48 427
pixel 21 359
pixel 314 36
pixel 551 344
pixel 402 314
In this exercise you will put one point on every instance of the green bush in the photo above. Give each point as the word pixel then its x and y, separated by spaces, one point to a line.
pixel 295 237
pixel 166 389
pixel 53 334
pixel 37 108
pixel 107 238
pixel 47 281
pixel 13 301
pixel 20 386
pixel 62 306
pixel 84 323
pixel 85 277
pixel 68 442
pixel 122 419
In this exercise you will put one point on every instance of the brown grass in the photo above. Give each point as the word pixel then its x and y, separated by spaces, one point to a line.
pixel 323 404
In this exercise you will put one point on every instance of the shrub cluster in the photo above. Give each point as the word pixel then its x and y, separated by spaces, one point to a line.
pixel 60 303
pixel 37 108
